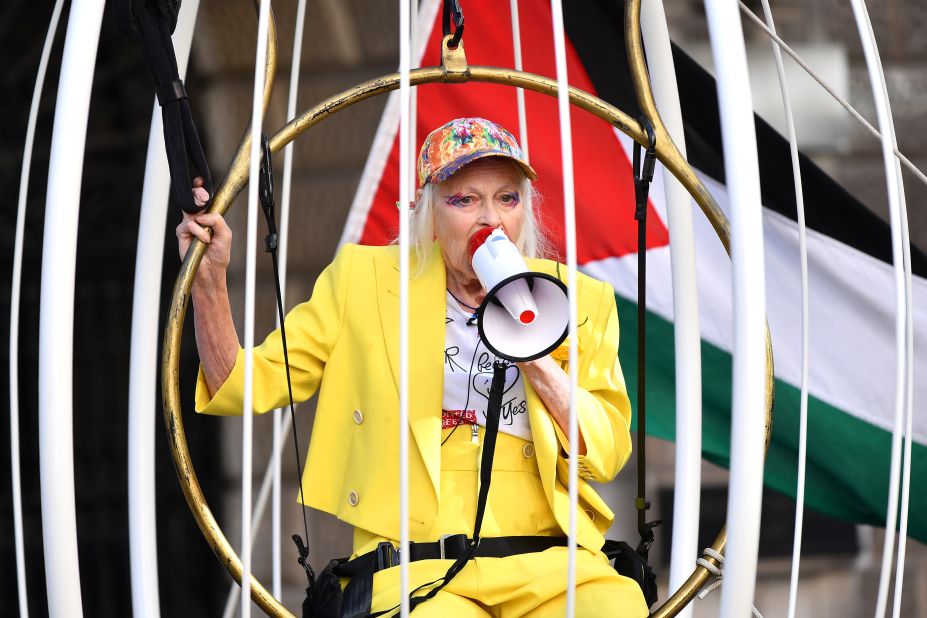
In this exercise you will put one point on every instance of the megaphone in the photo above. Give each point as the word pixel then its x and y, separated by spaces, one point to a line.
pixel 525 314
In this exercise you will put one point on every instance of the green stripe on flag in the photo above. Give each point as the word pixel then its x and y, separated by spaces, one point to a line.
pixel 848 459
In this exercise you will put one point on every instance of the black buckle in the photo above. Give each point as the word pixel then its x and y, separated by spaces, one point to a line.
pixel 452 546
pixel 170 92
pixel 387 556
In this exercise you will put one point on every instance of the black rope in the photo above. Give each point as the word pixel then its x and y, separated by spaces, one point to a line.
pixel 452 10
pixel 150 24
pixel 266 192
pixel 643 176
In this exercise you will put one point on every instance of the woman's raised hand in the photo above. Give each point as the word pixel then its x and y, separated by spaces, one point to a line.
pixel 218 239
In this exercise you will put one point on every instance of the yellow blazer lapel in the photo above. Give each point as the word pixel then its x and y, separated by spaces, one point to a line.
pixel 426 349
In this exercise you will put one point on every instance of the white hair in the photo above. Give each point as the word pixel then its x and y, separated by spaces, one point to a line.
pixel 532 242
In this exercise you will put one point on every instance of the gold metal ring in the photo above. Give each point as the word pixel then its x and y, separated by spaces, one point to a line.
pixel 642 88
pixel 454 69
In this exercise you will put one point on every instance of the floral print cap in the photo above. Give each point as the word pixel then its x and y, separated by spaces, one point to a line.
pixel 463 140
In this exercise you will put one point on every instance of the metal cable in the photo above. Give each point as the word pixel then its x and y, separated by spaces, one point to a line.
pixel 569 218
pixel 902 282
pixel 16 289
pixel 843 102
pixel 279 422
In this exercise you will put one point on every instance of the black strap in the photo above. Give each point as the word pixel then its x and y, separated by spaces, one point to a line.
pixel 150 23
pixel 643 176
pixel 266 194
pixel 355 601
pixel 493 412
pixel 452 9
pixel 450 547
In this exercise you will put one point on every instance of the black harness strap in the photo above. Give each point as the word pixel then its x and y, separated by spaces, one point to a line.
pixel 643 176
pixel 493 412
pixel 150 23
pixel 266 194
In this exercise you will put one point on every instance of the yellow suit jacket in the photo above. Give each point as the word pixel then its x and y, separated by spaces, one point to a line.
pixel 344 341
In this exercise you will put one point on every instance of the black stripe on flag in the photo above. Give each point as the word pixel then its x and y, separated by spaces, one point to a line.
pixel 596 30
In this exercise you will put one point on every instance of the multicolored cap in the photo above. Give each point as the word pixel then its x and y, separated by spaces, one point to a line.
pixel 463 140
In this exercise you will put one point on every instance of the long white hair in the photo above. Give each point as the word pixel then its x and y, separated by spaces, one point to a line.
pixel 532 242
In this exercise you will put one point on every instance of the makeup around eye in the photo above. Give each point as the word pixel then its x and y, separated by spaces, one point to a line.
pixel 511 199
pixel 456 200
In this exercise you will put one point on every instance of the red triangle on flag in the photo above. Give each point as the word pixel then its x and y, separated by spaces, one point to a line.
pixel 603 176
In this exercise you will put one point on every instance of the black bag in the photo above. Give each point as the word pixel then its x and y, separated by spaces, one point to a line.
pixel 323 599
pixel 633 565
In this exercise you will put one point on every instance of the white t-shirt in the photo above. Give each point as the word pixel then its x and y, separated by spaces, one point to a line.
pixel 468 376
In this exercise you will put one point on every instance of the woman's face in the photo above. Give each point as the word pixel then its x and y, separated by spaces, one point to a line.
pixel 482 194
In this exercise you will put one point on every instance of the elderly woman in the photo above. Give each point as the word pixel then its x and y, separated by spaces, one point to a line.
pixel 344 342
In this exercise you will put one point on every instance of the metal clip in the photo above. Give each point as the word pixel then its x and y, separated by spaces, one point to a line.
pixel 442 546
pixel 266 194
pixel 387 556
pixel 454 61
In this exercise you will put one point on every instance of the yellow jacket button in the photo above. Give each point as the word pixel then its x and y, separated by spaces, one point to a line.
pixel 353 498
pixel 358 417
pixel 528 451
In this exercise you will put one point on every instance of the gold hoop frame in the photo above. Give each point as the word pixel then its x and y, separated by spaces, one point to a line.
pixel 454 69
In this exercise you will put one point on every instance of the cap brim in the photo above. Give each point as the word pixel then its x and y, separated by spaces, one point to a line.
pixel 449 169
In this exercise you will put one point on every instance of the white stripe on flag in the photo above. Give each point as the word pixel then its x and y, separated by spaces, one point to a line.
pixel 851 308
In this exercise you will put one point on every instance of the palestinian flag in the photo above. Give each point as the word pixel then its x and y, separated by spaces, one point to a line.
pixel 851 404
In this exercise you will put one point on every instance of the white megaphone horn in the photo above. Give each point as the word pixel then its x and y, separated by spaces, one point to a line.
pixel 525 314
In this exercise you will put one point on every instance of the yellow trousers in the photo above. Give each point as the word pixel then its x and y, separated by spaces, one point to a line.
pixel 522 585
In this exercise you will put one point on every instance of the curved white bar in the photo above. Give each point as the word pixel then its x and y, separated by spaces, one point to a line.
pixel 414 37
pixel 292 99
pixel 742 173
pixel 519 92
pixel 143 355
pixel 16 288
pixel 405 194
pixel 569 219
pixel 257 118
pixel 909 393
pixel 688 477
pixel 805 316
pixel 56 315
pixel 902 298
